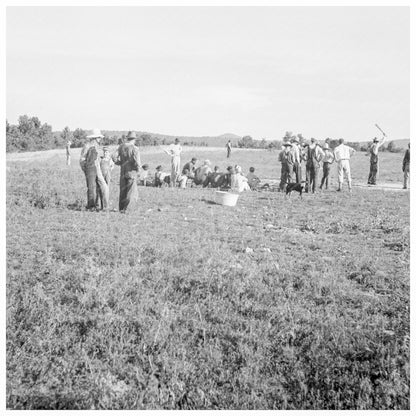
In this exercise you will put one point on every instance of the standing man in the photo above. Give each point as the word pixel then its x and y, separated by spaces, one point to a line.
pixel 68 154
pixel 296 154
pixel 406 166
pixel 128 158
pixel 342 154
pixel 314 155
pixel 90 165
pixel 228 147
pixel 106 165
pixel 286 159
pixel 372 177
pixel 327 160
pixel 174 150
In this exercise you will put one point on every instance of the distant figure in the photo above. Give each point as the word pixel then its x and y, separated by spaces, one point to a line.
pixel 106 165
pixel 128 158
pixel 228 147
pixel 90 165
pixel 253 179
pixel 406 167
pixel 342 154
pixel 286 159
pixel 68 154
pixel 190 166
pixel 327 160
pixel 174 150
pixel 372 177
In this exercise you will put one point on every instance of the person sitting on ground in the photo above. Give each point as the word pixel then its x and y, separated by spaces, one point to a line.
pixel 144 176
pixel 161 178
pixel 183 178
pixel 253 180
pixel 191 167
pixel 239 182
pixel 202 172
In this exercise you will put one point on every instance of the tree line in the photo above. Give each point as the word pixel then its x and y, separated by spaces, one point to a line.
pixel 31 135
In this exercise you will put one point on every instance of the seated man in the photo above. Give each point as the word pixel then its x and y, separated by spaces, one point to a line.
pixel 202 172
pixel 253 180
pixel 183 178
pixel 161 178
pixel 239 182
pixel 144 178
pixel 190 167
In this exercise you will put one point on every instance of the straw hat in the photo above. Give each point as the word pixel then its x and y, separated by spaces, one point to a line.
pixel 96 133
pixel 287 144
pixel 131 135
pixel 326 147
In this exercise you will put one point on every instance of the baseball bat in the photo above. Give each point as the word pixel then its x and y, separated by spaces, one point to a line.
pixel 384 134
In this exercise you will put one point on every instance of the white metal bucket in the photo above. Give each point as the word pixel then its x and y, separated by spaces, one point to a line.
pixel 226 198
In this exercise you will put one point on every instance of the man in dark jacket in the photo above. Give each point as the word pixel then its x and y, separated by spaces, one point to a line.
pixel 128 158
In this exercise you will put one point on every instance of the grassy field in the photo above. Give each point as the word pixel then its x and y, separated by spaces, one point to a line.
pixel 184 304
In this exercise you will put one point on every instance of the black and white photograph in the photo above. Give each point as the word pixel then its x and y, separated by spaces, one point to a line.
pixel 207 207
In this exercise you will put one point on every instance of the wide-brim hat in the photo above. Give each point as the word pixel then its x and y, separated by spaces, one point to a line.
pixel 96 133
pixel 326 147
pixel 287 144
pixel 131 135
pixel 294 140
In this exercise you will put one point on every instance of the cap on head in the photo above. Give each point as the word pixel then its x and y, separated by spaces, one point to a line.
pixel 251 169
pixel 375 140
pixel 159 167
pixel 177 140
pixel 96 134
pixel 194 159
pixel 131 135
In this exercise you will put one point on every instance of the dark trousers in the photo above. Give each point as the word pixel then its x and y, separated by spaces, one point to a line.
pixel 91 178
pixel 325 176
pixel 297 170
pixel 285 175
pixel 228 152
pixel 312 172
pixel 128 189
pixel 372 177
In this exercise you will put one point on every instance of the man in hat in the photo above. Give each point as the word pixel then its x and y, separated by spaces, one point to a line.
pixel 406 166
pixel 296 152
pixel 313 156
pixel 372 177
pixel 286 159
pixel 174 150
pixel 90 165
pixel 327 160
pixel 128 158
pixel 342 154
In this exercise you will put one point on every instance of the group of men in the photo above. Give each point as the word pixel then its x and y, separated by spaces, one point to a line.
pixel 97 169
pixel 294 154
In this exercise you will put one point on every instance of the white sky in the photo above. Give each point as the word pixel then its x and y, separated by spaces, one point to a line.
pixel 320 71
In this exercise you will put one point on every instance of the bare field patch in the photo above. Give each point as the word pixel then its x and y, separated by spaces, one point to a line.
pixel 185 304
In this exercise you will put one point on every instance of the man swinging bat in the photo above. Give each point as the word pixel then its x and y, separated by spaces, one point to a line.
pixel 374 148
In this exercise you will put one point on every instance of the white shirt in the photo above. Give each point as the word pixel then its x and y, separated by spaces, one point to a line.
pixel 174 149
pixel 343 152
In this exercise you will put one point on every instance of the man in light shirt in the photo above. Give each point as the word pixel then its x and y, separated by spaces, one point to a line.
pixel 372 177
pixel 342 154
pixel 297 167
pixel 174 150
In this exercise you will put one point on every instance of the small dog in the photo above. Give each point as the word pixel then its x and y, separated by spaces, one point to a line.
pixel 297 187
